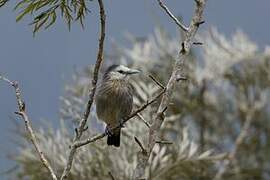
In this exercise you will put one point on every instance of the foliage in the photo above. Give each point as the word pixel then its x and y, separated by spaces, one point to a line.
pixel 46 11
pixel 228 79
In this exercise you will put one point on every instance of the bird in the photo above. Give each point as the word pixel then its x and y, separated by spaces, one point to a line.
pixel 114 100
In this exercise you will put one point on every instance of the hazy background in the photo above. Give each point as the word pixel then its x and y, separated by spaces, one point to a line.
pixel 43 64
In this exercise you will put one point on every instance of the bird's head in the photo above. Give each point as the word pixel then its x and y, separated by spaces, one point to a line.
pixel 119 72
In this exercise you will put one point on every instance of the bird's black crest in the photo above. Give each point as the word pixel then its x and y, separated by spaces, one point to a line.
pixel 109 69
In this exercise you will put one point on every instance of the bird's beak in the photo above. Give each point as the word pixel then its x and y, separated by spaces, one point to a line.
pixel 133 71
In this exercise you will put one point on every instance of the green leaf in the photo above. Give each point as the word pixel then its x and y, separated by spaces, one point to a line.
pixel 20 4
pixel 42 4
pixel 27 10
pixel 38 25
pixel 53 19
pixel 3 2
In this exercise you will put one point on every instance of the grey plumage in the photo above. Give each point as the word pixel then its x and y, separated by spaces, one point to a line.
pixel 114 99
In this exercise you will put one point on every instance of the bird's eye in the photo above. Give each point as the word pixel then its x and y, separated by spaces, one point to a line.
pixel 121 71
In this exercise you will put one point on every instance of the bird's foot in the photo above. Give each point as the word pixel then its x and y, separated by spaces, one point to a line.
pixel 108 131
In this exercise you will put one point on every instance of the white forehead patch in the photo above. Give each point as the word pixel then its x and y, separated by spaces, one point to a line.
pixel 122 68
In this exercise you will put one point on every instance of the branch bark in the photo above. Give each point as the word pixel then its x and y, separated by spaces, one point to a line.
pixel 177 70
pixel 166 9
pixel 83 122
pixel 22 112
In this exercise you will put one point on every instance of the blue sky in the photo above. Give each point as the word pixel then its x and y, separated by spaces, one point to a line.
pixel 44 64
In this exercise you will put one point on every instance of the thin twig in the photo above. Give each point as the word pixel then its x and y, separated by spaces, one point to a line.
pixel 144 121
pixel 177 70
pixel 164 142
pixel 110 174
pixel 199 23
pixel 198 43
pixel 102 135
pixel 83 122
pixel 157 82
pixel 163 6
pixel 140 144
pixel 22 112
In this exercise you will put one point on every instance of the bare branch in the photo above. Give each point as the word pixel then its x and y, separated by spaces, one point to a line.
pixel 135 113
pixel 197 43
pixel 83 122
pixel 140 144
pixel 22 112
pixel 144 121
pixel 163 6
pixel 156 81
pixel 177 70
pixel 110 174
pixel 164 142
pixel 199 23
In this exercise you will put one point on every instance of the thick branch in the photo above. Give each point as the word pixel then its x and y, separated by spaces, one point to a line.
pixel 177 70
pixel 83 122
pixel 29 129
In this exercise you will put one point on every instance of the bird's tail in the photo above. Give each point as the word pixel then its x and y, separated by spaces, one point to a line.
pixel 114 138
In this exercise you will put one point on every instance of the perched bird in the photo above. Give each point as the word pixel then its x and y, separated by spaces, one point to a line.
pixel 114 100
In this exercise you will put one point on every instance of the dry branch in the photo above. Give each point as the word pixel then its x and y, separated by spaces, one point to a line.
pixel 111 176
pixel 163 6
pixel 177 70
pixel 83 122
pixel 164 142
pixel 140 144
pixel 143 120
pixel 22 112
pixel 135 113
pixel 157 82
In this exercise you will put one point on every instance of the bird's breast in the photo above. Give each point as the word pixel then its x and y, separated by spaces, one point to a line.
pixel 114 101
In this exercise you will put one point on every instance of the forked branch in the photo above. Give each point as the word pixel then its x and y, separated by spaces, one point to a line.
pixel 174 78
pixel 22 112
pixel 83 121
pixel 166 9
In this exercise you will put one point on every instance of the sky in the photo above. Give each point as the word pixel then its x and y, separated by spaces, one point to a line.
pixel 44 64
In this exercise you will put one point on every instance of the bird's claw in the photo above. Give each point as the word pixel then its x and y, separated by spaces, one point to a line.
pixel 108 131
